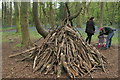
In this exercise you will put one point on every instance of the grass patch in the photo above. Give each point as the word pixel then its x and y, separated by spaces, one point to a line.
pixel 115 40
pixel 10 34
pixel 7 28
pixel 7 36
pixel 34 35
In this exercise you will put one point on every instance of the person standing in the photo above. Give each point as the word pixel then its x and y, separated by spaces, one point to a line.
pixel 109 32
pixel 90 29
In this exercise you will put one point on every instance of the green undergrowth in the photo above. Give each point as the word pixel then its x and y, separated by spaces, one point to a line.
pixel 34 35
pixel 9 36
pixel 7 28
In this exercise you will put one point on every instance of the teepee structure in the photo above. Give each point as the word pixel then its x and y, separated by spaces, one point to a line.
pixel 64 50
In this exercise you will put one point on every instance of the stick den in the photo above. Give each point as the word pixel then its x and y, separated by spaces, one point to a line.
pixel 64 50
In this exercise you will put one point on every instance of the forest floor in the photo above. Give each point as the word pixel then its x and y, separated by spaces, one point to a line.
pixel 13 69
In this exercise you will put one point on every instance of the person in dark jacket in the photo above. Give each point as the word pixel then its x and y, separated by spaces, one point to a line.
pixel 110 32
pixel 90 29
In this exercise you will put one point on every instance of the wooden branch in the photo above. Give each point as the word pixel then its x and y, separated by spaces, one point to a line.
pixel 68 13
pixel 13 55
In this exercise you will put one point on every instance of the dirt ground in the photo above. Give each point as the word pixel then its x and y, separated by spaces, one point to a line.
pixel 13 69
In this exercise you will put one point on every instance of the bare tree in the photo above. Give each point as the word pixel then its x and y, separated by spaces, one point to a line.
pixel 71 17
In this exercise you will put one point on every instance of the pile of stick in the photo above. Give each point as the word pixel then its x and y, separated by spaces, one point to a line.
pixel 64 50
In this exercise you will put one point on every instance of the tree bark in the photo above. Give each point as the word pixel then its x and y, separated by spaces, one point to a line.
pixel 64 15
pixel 5 14
pixel 107 10
pixel 113 12
pixel 52 19
pixel 78 21
pixel 68 13
pixel 87 8
pixel 101 14
pixel 45 19
pixel 3 7
pixel 17 16
pixel 10 14
pixel 62 12
pixel 37 22
pixel 25 23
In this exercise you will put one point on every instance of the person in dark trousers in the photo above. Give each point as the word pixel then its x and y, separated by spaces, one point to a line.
pixel 110 32
pixel 90 29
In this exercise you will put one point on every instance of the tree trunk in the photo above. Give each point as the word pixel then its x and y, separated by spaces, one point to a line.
pixel 5 14
pixel 62 12
pixel 44 14
pixel 36 20
pixel 101 14
pixel 25 23
pixel 40 10
pixel 10 14
pixel 108 14
pixel 17 16
pixel 52 19
pixel 113 13
pixel 3 6
pixel 68 13
pixel 87 8
pixel 78 21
